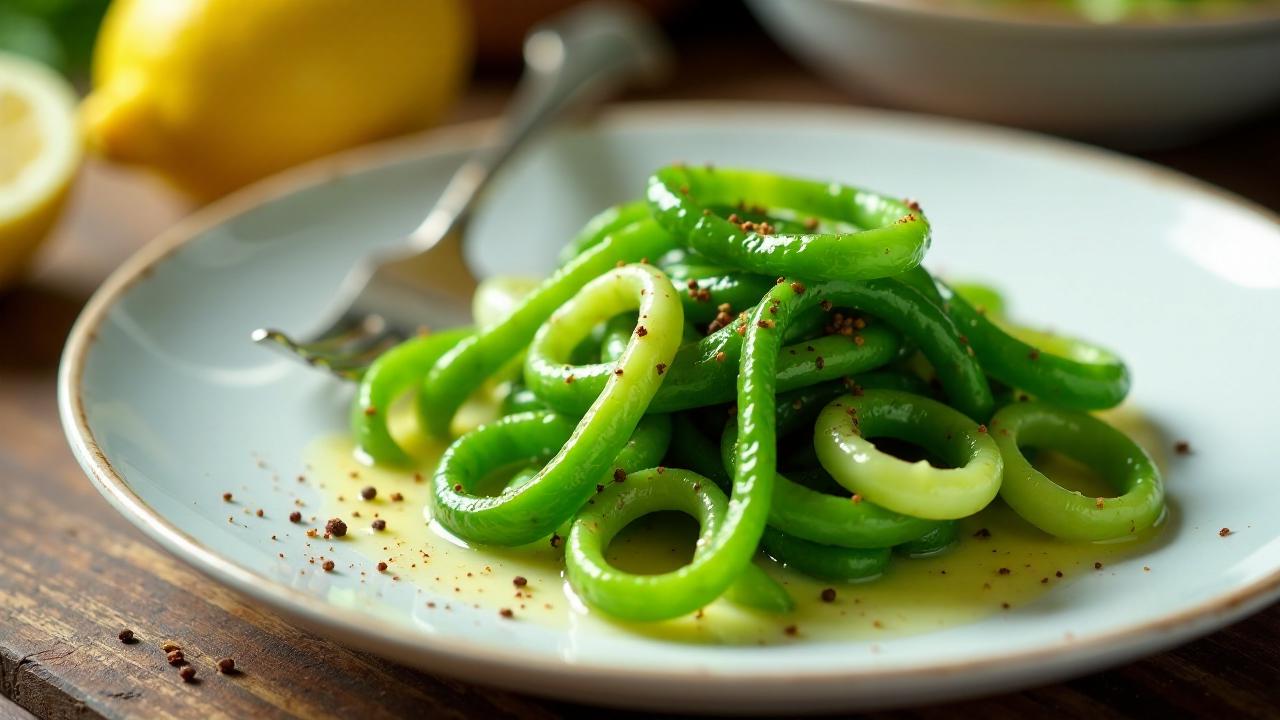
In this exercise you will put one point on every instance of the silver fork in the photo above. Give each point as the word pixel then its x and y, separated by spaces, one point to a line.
pixel 578 58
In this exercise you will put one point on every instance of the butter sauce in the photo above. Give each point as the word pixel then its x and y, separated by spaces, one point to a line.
pixel 1000 564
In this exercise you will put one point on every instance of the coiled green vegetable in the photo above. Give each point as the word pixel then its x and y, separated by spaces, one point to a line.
pixel 1057 369
pixel 389 377
pixel 465 366
pixel 703 373
pixel 1067 513
pixel 886 237
pixel 918 489
pixel 566 482
pixel 727 348
pixel 659 597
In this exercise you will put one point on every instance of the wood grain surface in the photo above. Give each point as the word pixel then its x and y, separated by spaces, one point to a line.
pixel 9 711
pixel 73 573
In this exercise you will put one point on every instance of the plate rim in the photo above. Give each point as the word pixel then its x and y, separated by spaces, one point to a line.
pixel 1249 22
pixel 515 669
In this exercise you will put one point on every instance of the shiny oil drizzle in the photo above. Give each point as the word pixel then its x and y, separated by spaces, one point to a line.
pixel 1000 564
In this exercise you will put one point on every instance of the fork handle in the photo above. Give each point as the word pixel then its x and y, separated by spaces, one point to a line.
pixel 579 57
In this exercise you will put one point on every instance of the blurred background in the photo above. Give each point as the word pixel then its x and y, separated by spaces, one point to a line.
pixel 118 117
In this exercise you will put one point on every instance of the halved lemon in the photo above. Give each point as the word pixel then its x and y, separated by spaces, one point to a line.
pixel 39 154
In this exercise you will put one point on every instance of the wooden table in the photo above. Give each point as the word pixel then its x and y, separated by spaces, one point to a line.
pixel 73 572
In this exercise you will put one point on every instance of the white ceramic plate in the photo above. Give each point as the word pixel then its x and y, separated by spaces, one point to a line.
pixel 167 404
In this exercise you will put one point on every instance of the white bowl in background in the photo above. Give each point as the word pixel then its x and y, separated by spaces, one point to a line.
pixel 1137 85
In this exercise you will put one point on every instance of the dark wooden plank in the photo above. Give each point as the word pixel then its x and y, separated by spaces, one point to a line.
pixel 9 711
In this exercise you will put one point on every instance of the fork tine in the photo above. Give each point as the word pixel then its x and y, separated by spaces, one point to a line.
pixel 347 335
pixel 352 367
pixel 345 354
pixel 264 336
pixel 347 331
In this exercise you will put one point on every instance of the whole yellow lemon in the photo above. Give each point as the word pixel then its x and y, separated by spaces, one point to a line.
pixel 213 94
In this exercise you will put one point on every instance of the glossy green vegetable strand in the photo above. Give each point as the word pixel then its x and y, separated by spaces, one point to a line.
pixel 913 488
pixel 569 478
pixel 1061 370
pixel 889 238
pixel 825 562
pixel 809 514
pixel 394 372
pixel 466 366
pixel 703 373
pixel 716 566
pixel 1068 513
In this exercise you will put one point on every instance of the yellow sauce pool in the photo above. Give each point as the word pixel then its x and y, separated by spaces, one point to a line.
pixel 1006 567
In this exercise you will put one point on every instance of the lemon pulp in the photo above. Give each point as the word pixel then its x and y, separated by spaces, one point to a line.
pixel 39 154
pixel 20 140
